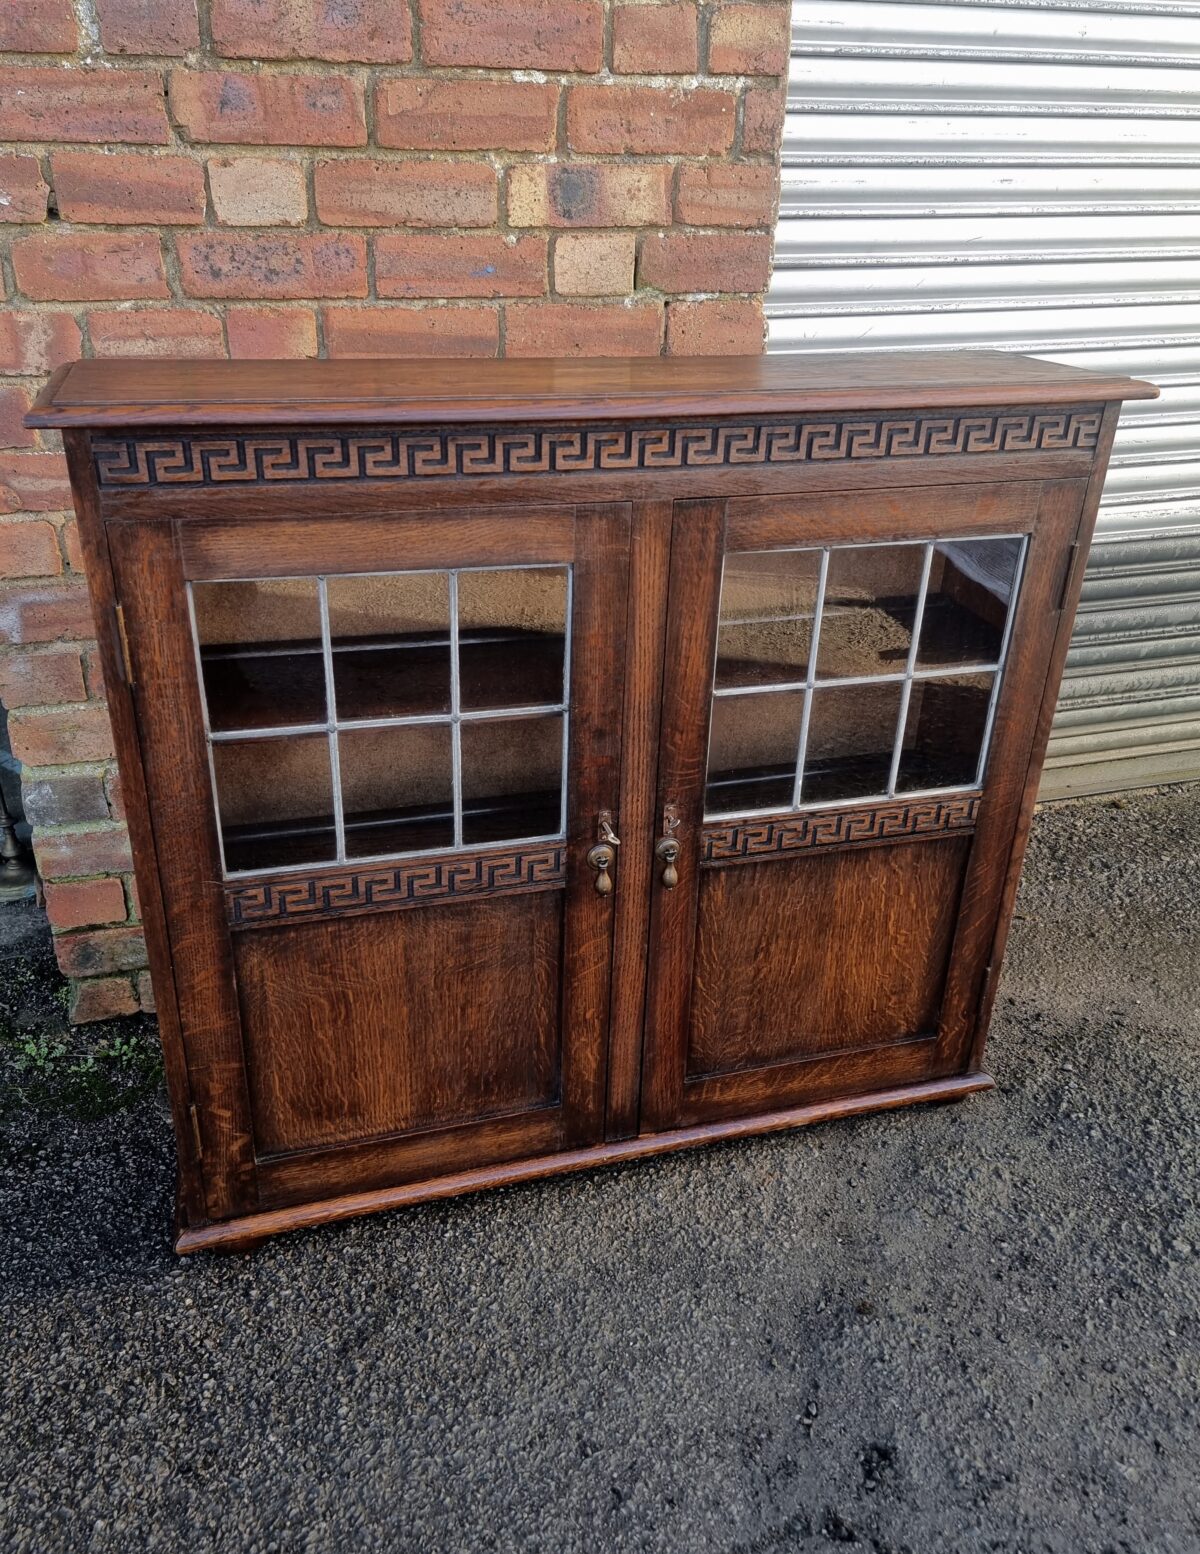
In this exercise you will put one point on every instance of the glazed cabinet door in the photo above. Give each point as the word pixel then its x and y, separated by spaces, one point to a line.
pixel 380 756
pixel 849 704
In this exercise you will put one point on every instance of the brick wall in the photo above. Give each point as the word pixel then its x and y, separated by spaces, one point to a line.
pixel 288 178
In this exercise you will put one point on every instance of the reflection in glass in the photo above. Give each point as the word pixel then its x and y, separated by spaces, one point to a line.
pixel 511 778
pixel 768 599
pixel 512 626
pixel 870 604
pixel 752 748
pixel 851 737
pixel 943 733
pixel 397 788
pixel 390 635
pixel 970 588
pixel 260 652
pixel 275 801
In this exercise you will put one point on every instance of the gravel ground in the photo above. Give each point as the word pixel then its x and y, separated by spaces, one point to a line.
pixel 966 1328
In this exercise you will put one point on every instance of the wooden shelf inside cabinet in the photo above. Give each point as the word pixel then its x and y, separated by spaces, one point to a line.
pixel 533 765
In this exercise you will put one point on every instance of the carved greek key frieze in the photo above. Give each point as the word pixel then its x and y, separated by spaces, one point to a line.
pixel 738 840
pixel 407 883
pixel 408 454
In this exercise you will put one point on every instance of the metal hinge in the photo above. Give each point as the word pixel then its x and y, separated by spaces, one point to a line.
pixel 123 642
pixel 196 1133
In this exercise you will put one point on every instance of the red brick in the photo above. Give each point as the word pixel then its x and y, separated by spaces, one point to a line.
pixel 64 799
pixel 72 854
pixel 292 264
pixel 521 34
pixel 271 334
pixel 105 950
pixel 23 190
pixel 93 674
pixel 29 549
pixel 656 39
pixel 148 26
pixel 727 194
pixel 71 545
pixel 70 104
pixel 41 679
pixel 661 120
pixel 60 737
pixel 137 187
pixel 38 27
pixel 699 261
pixel 155 332
pixel 575 329
pixel 14 402
pixel 724 326
pixel 89 266
pixel 258 191
pixel 594 264
pixel 412 194
pixel 32 482
pixel 51 613
pixel 285 110
pixel 475 115
pixel 762 118
pixel 102 998
pixel 373 31
pixel 84 903
pixel 749 40
pixel 400 331
pixel 145 993
pixel 439 266
pixel 114 794
pixel 586 194
pixel 36 343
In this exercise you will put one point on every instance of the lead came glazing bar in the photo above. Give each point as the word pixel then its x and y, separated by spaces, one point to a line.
pixel 810 678
pixel 880 605
pixel 906 692
pixel 455 715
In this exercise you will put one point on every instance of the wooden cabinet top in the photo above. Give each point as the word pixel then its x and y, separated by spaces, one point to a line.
pixel 133 392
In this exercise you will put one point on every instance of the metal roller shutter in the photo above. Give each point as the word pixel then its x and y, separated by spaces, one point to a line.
pixel 1026 177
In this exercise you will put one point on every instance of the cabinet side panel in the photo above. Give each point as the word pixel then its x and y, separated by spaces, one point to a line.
pixel 371 1026
pixel 821 954
pixel 94 543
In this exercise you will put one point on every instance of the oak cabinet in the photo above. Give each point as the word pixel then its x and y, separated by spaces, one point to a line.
pixel 534 765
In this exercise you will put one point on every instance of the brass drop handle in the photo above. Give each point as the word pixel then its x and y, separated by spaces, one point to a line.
pixel 603 855
pixel 667 849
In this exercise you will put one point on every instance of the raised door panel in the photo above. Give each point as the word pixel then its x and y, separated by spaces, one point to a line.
pixel 852 688
pixel 377 762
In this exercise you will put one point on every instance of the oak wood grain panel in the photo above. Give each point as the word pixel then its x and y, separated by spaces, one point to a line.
pixel 650 556
pixel 477 537
pixel 1068 604
pixel 761 524
pixel 199 393
pixel 150 583
pixel 94 544
pixel 593 785
pixel 188 504
pixel 376 1025
pixel 247 1232
pixel 696 550
pixel 819 954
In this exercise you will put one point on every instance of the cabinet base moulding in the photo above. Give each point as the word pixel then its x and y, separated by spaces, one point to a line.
pixel 247 1232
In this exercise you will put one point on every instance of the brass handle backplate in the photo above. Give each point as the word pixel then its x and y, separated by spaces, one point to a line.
pixel 603 855
pixel 667 848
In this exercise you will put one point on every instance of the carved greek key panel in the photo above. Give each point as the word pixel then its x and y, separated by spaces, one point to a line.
pixel 741 840
pixel 427 453
pixel 417 882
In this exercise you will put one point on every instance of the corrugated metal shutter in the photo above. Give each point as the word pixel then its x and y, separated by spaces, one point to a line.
pixel 1026 177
